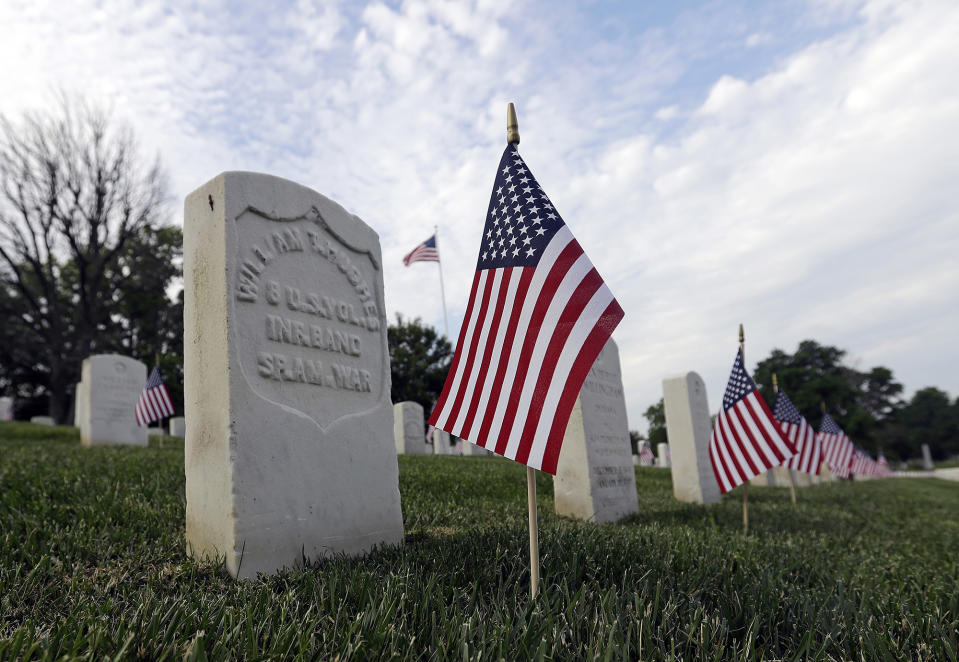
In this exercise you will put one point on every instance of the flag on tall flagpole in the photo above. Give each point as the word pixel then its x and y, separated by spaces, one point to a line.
pixel 808 452
pixel 837 449
pixel 154 403
pixel 538 315
pixel 425 252
pixel 746 439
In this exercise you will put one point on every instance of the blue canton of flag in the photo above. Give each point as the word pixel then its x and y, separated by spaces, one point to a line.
pixel 520 221
pixel 785 411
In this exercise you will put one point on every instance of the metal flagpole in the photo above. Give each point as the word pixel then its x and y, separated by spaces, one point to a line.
pixel 742 357
pixel 792 473
pixel 439 263
pixel 512 137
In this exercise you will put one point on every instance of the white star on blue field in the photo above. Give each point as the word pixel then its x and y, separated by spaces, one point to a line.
pixel 788 165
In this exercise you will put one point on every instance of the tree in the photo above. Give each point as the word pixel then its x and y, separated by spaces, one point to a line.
pixel 75 196
pixel 928 418
pixel 655 415
pixel 419 361
pixel 635 439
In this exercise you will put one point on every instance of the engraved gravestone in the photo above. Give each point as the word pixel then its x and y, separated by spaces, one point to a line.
pixel 107 405
pixel 408 426
pixel 6 409
pixel 595 480
pixel 926 457
pixel 688 429
pixel 178 426
pixel 289 452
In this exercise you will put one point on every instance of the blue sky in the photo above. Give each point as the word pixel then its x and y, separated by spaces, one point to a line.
pixel 787 165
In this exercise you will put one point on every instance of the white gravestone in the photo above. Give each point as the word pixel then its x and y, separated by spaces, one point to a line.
pixel 41 420
pixel 441 442
pixel 662 454
pixel 178 426
pixel 408 427
pixel 595 480
pixel 689 429
pixel 81 398
pixel 764 479
pixel 108 402
pixel 6 409
pixel 289 452
pixel 782 476
pixel 926 457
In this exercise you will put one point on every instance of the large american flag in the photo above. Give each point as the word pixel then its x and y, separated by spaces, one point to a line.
pixel 538 315
pixel 425 252
pixel 154 402
pixel 808 452
pixel 746 439
pixel 837 449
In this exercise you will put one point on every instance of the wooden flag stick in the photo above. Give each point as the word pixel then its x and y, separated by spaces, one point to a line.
pixel 533 533
pixel 792 474
pixel 512 137
pixel 742 357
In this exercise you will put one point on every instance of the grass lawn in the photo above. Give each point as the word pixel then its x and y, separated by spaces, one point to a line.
pixel 92 566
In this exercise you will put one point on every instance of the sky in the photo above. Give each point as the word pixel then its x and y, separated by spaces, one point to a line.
pixel 791 166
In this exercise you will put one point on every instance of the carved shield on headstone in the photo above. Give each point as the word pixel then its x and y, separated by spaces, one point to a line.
pixel 309 325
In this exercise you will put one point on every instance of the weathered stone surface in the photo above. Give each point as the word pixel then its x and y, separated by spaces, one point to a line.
pixel 6 409
pixel 289 451
pixel 178 426
pixel 113 384
pixel 41 420
pixel 81 398
pixel 688 429
pixel 409 429
pixel 594 478
pixel 926 457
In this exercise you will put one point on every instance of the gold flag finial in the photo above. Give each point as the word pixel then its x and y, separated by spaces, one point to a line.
pixel 512 126
pixel 742 336
pixel 775 384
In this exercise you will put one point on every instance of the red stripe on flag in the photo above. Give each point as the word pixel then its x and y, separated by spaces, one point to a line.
pixel 441 402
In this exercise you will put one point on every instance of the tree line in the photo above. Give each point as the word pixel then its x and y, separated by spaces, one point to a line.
pixel 868 405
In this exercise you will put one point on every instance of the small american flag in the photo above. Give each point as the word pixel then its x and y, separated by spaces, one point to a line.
pixel 837 449
pixel 862 464
pixel 746 440
pixel 538 316
pixel 154 402
pixel 882 466
pixel 425 252
pixel 808 452
pixel 646 457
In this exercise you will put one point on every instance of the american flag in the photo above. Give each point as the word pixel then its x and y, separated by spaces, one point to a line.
pixel 425 252
pixel 538 316
pixel 154 402
pixel 646 457
pixel 746 440
pixel 837 449
pixel 808 452
pixel 863 465
pixel 882 466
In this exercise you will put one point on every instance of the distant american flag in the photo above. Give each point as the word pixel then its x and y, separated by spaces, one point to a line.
pixel 808 452
pixel 863 465
pixel 646 457
pixel 538 316
pixel 425 252
pixel 154 402
pixel 882 466
pixel 837 449
pixel 746 439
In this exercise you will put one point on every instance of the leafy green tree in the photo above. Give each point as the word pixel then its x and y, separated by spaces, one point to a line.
pixel 655 415
pixel 928 418
pixel 635 439
pixel 419 361
pixel 75 197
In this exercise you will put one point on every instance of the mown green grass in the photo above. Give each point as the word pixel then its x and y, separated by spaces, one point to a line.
pixel 93 566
